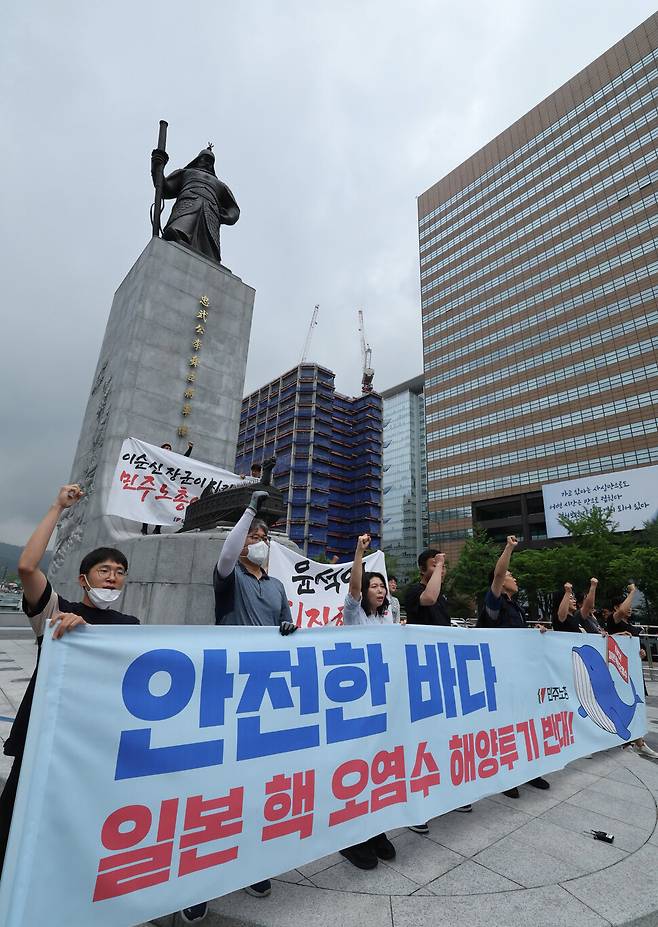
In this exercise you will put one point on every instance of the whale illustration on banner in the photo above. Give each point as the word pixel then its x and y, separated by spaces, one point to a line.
pixel 598 697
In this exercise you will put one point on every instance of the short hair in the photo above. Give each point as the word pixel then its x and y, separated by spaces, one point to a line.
pixel 391 576
pixel 365 585
pixel 257 466
pixel 99 555
pixel 259 523
pixel 166 444
pixel 616 601
pixel 579 597
pixel 426 555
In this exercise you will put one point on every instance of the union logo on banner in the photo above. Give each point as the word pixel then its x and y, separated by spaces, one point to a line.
pixel 617 658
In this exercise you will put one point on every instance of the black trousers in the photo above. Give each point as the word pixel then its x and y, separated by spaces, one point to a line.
pixel 7 800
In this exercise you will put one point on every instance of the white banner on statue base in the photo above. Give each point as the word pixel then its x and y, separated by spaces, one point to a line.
pixel 316 591
pixel 165 766
pixel 154 486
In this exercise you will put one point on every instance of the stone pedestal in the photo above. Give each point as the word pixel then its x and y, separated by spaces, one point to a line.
pixel 139 385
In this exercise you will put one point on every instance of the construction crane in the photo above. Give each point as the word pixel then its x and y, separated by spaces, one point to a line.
pixel 307 343
pixel 366 358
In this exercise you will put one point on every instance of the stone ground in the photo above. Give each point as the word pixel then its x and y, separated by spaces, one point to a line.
pixel 526 862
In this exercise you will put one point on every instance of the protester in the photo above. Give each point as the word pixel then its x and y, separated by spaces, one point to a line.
pixel 102 576
pixel 394 603
pixel 620 623
pixel 366 603
pixel 426 604
pixel 167 447
pixel 502 611
pixel 256 471
pixel 575 614
pixel 245 595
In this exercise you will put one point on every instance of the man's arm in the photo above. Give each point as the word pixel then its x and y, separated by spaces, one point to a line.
pixel 189 449
pixel 626 607
pixel 503 566
pixel 563 607
pixel 432 590
pixel 356 575
pixel 587 607
pixel 238 535
pixel 32 578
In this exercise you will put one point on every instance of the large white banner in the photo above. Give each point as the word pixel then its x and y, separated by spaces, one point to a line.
pixel 631 494
pixel 154 486
pixel 316 591
pixel 165 766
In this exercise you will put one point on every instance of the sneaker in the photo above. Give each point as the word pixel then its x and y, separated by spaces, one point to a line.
pixel 259 889
pixel 361 855
pixel 194 914
pixel 382 846
pixel 419 828
pixel 539 783
pixel 512 793
pixel 465 809
pixel 646 750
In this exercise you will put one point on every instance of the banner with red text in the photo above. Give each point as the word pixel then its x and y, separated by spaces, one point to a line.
pixel 316 591
pixel 167 765
pixel 154 486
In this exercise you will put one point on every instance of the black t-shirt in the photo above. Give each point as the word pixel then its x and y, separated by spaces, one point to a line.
pixel 46 606
pixel 616 627
pixel 436 614
pixel 571 623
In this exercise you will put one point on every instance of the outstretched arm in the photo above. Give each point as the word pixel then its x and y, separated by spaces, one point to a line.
pixel 356 576
pixel 432 590
pixel 563 607
pixel 238 535
pixel 587 607
pixel 626 608
pixel 32 578
pixel 503 566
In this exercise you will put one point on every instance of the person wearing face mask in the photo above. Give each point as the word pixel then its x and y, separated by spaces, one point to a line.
pixel 102 577
pixel 245 595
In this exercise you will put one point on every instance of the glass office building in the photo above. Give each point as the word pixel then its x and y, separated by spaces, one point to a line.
pixel 539 297
pixel 404 530
pixel 329 458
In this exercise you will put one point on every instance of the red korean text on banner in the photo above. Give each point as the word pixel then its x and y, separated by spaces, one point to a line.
pixel 617 658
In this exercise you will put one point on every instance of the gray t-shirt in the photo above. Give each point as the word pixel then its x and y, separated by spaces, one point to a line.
pixel 241 599
pixel 353 613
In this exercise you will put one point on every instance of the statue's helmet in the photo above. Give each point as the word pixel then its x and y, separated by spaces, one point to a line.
pixel 203 156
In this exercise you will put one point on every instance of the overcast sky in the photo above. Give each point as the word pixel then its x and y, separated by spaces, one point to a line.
pixel 329 118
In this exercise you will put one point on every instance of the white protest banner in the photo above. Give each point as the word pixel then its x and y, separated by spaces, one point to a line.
pixel 631 494
pixel 155 486
pixel 167 765
pixel 316 591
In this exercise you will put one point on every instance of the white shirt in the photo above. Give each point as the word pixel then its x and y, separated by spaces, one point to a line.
pixel 353 613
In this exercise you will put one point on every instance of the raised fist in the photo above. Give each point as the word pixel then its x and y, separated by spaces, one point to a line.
pixel 258 500
pixel 69 495
pixel 593 582
pixel 568 587
pixel 363 542
pixel 512 541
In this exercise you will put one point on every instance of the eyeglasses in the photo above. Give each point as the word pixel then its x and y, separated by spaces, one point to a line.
pixel 106 571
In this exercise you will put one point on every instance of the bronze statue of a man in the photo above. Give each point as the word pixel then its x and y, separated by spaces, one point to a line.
pixel 203 203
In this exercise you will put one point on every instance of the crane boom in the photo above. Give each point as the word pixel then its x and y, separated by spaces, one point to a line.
pixel 307 343
pixel 366 357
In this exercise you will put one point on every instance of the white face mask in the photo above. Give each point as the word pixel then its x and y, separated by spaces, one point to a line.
pixel 258 553
pixel 102 598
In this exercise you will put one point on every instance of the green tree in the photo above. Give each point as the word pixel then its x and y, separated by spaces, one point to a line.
pixel 470 575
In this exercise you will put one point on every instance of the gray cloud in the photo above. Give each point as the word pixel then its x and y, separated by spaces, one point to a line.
pixel 328 120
